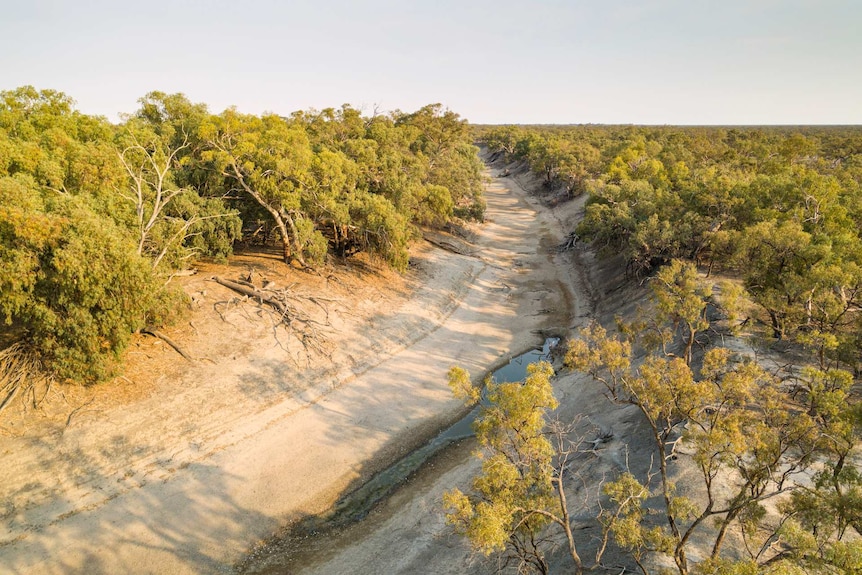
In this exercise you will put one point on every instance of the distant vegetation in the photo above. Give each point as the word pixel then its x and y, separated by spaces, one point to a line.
pixel 773 451
pixel 780 207
pixel 94 217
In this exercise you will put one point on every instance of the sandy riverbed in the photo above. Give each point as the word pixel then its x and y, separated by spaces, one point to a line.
pixel 181 468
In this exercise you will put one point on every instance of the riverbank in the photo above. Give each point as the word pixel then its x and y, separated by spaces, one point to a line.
pixel 185 470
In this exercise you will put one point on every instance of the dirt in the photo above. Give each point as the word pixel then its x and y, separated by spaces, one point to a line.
pixel 183 466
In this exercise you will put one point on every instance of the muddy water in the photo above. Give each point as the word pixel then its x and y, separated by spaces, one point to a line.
pixel 352 508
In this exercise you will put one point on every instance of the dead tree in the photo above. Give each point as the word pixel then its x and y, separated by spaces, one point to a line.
pixel 289 311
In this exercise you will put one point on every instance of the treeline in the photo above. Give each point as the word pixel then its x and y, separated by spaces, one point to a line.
pixel 95 216
pixel 779 206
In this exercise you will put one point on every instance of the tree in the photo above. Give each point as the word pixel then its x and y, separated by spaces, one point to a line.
pixel 743 435
pixel 636 219
pixel 74 289
pixel 778 258
pixel 831 505
pixel 545 158
pixel 521 489
pixel 380 228
pixel 167 216
pixel 504 139
pixel 680 303
pixel 268 159
pixel 441 140
pixel 73 283
pixel 578 162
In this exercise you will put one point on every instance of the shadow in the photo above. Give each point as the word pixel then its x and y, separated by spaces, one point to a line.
pixel 311 539
pixel 125 507
pixel 185 522
pixel 392 409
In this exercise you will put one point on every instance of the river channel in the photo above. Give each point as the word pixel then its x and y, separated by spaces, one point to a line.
pixel 289 551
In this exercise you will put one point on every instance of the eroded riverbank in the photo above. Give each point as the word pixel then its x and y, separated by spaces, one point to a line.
pixel 304 543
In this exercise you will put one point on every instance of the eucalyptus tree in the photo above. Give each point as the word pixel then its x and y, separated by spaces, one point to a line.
pixel 579 162
pixel 443 141
pixel 503 139
pixel 174 182
pixel 734 419
pixel 173 223
pixel 269 159
pixel 521 489
pixel 74 287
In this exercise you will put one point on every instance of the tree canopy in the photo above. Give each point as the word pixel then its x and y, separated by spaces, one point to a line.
pixel 94 216
pixel 779 206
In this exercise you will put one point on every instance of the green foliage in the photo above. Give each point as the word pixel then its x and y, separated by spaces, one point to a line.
pixel 744 433
pixel 680 302
pixel 74 287
pixel 721 566
pixel 625 217
pixel 336 181
pixel 568 158
pixel 91 214
pixel 518 492
pixel 79 288
pixel 172 223
pixel 779 206
pixel 26 231
pixel 461 386
pixel 626 521
pixel 90 295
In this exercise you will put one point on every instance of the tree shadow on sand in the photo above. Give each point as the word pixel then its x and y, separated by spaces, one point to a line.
pixel 189 522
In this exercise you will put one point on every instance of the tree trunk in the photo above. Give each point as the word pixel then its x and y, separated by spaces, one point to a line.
pixel 281 217
pixel 777 331
pixel 294 236
pixel 722 532
pixel 567 527
pixel 287 251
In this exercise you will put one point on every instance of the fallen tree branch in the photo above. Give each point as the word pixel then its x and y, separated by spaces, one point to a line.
pixel 157 334
pixel 252 292
pixel 76 410
pixel 570 243
pixel 453 245
pixel 301 325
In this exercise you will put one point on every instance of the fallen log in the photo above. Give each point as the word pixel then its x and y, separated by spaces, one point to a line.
pixel 253 293
pixel 450 245
pixel 157 334
pixel 289 313
pixel 570 243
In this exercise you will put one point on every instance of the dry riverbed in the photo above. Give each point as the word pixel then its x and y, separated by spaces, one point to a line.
pixel 181 467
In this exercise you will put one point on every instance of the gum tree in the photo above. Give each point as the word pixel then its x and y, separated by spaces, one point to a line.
pixel 270 160
pixel 521 489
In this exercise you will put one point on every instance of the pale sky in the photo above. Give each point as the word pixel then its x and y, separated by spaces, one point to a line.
pixel 502 61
